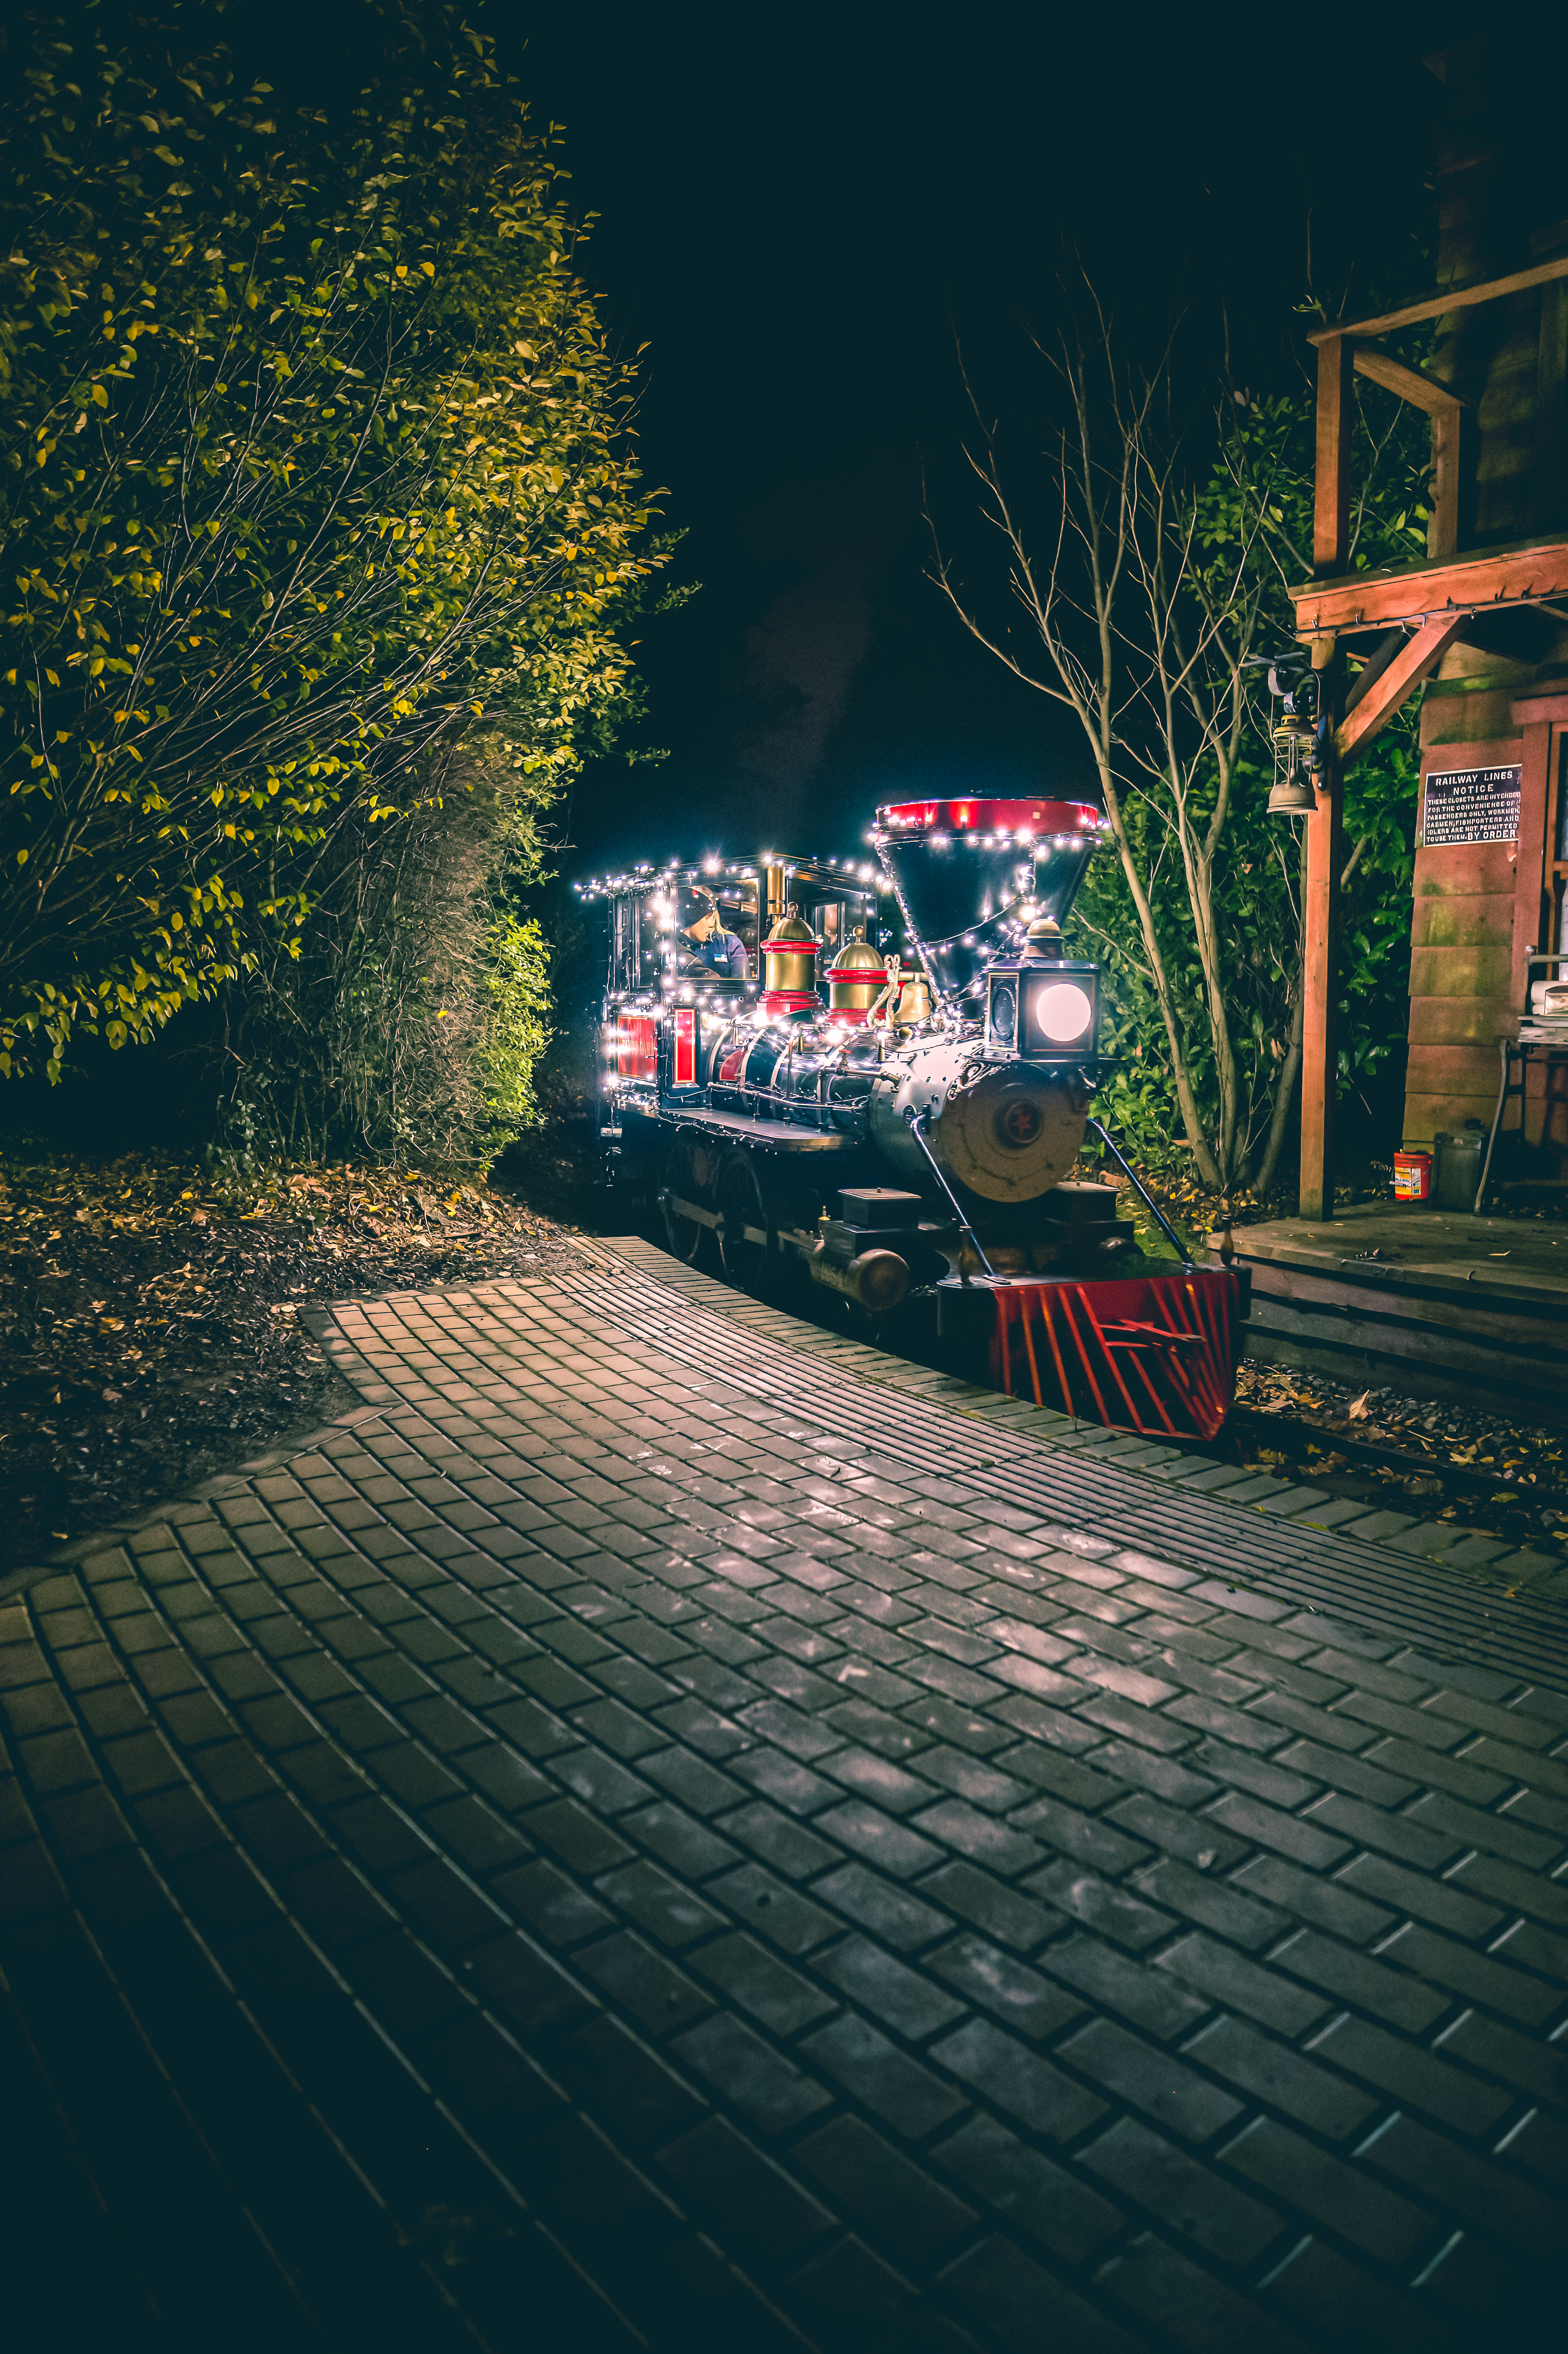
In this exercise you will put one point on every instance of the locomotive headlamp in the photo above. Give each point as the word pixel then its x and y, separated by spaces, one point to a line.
pixel 1058 1007
pixel 1063 1012
pixel 1042 1009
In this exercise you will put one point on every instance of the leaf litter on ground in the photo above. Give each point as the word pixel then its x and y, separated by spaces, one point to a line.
pixel 149 1314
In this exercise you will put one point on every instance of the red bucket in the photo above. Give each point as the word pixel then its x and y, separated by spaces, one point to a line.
pixel 1413 1176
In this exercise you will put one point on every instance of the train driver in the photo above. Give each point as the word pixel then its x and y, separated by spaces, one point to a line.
pixel 713 948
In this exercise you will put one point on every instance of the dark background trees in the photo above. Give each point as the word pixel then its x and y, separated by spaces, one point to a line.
pixel 869 182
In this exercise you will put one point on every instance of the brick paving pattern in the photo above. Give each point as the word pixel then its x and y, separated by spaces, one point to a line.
pixel 647 1835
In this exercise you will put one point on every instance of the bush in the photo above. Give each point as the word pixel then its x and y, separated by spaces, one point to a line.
pixel 312 456
pixel 407 1026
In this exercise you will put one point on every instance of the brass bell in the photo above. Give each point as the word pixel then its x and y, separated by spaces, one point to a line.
pixel 858 974
pixel 914 1002
pixel 790 958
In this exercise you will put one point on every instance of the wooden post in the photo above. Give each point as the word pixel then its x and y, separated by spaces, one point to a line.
pixel 1451 430
pixel 1325 857
pixel 1332 516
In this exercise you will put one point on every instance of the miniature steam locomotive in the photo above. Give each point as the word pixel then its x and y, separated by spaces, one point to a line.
pixel 892 1097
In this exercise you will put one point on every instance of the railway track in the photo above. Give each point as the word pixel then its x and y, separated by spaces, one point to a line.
pixel 1522 1508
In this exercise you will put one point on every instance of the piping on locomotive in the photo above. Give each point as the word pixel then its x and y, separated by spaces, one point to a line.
pixel 901 1123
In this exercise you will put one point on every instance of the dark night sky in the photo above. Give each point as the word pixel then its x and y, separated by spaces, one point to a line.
pixel 797 208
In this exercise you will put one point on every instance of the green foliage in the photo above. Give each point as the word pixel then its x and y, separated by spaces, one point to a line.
pixel 515 1007
pixel 1253 891
pixel 407 1026
pixel 1251 511
pixel 311 454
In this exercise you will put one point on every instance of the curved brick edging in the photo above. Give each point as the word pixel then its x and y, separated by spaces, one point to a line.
pixel 594 1852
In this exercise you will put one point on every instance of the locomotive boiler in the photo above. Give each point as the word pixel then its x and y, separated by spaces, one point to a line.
pixel 891 1098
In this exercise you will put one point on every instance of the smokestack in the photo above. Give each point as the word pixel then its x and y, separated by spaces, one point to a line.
pixel 970 875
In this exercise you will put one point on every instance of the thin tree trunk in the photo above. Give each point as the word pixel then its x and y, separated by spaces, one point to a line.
pixel 1284 1092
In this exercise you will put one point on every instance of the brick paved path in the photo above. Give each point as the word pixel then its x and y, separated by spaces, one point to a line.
pixel 649 1836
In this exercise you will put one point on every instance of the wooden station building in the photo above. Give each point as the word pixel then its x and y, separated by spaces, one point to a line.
pixel 1479 631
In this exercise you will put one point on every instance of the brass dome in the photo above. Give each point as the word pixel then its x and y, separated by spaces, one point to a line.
pixel 789 927
pixel 858 955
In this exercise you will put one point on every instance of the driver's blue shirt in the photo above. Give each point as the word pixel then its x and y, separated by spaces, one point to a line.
pixel 724 953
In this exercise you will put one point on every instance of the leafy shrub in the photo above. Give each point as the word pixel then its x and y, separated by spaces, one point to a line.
pixel 407 1024
pixel 312 455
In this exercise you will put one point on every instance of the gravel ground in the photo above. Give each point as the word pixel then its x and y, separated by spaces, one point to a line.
pixel 1525 1465
pixel 149 1331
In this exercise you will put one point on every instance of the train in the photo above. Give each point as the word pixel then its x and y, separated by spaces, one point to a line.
pixel 879 1076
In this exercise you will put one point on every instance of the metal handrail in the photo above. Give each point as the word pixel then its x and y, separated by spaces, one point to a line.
pixel 917 1121
pixel 1166 1228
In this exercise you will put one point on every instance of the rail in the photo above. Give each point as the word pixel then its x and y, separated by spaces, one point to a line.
pixel 917 1121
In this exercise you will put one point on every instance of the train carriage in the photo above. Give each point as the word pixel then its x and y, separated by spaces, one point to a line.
pixel 889 1100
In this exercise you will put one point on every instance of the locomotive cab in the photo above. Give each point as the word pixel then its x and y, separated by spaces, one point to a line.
pixel 660 1004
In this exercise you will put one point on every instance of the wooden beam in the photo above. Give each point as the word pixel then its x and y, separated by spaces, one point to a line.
pixel 1512 576
pixel 1325 857
pixel 1392 642
pixel 1451 298
pixel 1420 657
pixel 1536 704
pixel 1331 516
pixel 1412 384
pixel 1446 410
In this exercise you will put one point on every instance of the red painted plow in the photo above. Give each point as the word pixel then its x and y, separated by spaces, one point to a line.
pixel 1155 1353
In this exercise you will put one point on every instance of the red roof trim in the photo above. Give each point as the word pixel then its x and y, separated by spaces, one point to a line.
pixel 973 815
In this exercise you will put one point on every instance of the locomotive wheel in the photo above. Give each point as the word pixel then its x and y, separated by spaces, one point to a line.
pixel 740 1203
pixel 683 1180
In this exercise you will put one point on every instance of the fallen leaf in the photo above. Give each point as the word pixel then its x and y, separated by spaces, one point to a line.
pixel 1358 1410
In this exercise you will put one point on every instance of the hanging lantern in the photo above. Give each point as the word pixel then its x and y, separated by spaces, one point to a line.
pixel 1298 745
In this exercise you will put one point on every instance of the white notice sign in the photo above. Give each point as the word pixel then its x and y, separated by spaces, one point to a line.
pixel 1471 805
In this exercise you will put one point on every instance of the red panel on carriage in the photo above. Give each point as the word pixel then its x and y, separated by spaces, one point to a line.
pixel 685 1035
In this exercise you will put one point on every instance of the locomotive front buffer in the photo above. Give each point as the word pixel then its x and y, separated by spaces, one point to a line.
pixel 899 1122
